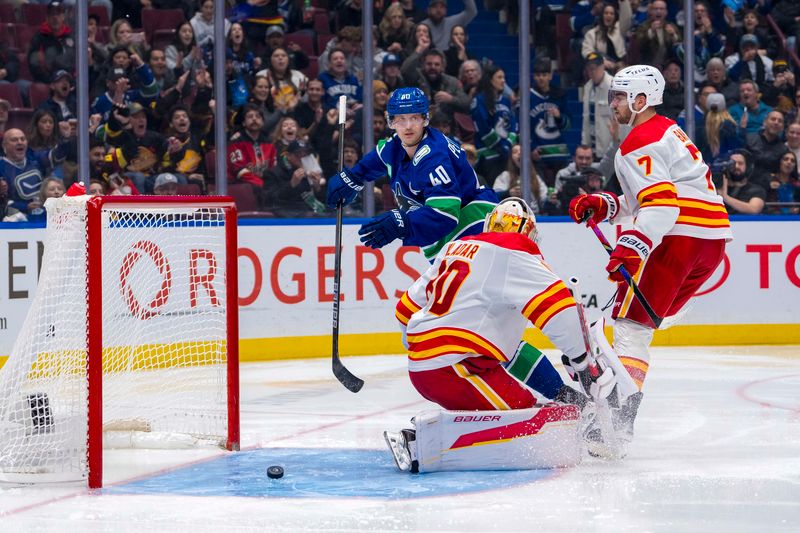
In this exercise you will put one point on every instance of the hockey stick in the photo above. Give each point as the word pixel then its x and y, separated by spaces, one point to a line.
pixel 625 274
pixel 345 377
pixel 591 373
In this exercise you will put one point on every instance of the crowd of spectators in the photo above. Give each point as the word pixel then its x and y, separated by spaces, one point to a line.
pixel 288 61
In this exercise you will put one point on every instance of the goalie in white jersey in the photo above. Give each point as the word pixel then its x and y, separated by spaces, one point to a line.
pixel 680 225
pixel 465 315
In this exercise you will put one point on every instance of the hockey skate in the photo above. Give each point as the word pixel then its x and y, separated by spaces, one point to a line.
pixel 402 445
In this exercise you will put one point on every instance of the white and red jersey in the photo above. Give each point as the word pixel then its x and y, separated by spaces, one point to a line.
pixel 477 298
pixel 666 186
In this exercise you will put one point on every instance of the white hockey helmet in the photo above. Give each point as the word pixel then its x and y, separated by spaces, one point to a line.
pixel 636 80
pixel 512 215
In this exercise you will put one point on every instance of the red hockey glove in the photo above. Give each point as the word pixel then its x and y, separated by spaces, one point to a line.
pixel 632 248
pixel 601 205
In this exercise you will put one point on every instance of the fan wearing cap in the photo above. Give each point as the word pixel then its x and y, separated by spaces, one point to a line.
pixel 62 102
pixel 390 72
pixel 137 151
pixel 677 226
pixel 52 47
pixel 165 184
pixel 250 154
pixel 780 93
pixel 595 128
pixel 438 193
pixel 748 63
pixel 276 38
pixel 295 185
pixel 120 84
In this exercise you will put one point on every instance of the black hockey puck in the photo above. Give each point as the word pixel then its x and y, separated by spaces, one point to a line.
pixel 275 472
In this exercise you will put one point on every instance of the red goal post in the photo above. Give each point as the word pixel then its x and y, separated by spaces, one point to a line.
pixel 152 358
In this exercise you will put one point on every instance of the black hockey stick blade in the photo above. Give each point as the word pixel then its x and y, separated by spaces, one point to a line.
pixel 345 377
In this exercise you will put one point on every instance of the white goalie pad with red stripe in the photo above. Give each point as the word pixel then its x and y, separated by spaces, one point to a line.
pixel 520 439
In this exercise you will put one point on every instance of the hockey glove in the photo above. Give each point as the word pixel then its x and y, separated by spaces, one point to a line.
pixel 598 206
pixel 343 187
pixel 384 228
pixel 632 248
pixel 597 383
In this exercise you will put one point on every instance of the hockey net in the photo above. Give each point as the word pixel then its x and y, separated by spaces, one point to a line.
pixel 132 333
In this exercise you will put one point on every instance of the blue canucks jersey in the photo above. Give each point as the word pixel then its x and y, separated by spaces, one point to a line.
pixel 437 188
pixel 25 179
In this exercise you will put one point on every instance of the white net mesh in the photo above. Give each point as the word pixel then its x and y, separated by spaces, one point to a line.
pixel 164 338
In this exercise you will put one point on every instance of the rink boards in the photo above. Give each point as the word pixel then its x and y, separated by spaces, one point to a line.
pixel 286 278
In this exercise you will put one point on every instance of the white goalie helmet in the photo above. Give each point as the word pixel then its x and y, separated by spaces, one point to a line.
pixel 636 80
pixel 512 215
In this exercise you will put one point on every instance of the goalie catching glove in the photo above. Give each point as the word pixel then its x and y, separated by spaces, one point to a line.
pixel 384 228
pixel 343 187
pixel 632 248
pixel 598 207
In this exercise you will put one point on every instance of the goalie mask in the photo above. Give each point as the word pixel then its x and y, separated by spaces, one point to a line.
pixel 512 215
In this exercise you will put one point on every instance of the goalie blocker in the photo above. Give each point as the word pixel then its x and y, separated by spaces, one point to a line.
pixel 519 439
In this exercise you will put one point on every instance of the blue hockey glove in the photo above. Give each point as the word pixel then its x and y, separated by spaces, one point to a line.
pixel 384 228
pixel 343 187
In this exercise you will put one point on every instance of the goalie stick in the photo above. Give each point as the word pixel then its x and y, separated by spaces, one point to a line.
pixel 590 375
pixel 625 274
pixel 345 377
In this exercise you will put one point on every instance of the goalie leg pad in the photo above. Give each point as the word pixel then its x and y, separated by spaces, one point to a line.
pixel 520 439
pixel 530 366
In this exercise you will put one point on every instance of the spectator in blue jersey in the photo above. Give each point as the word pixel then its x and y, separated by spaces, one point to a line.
pixel 549 118
pixel 495 123
pixel 23 169
pixel 337 81
pixel 438 193
pixel 118 88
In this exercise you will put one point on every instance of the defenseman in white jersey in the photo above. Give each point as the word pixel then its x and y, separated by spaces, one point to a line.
pixel 680 225
pixel 465 315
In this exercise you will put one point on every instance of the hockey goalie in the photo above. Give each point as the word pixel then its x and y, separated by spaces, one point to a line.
pixel 462 321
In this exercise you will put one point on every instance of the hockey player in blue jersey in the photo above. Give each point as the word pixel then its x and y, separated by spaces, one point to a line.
pixel 439 196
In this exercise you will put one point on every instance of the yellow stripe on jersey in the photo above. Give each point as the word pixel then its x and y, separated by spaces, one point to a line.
pixel 698 221
pixel 534 303
pixel 444 341
pixel 486 391
pixel 626 303
pixel 661 202
pixel 554 309
pixel 706 206
pixel 661 187
pixel 405 308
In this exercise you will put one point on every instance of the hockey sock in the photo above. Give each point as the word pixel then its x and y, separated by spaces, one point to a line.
pixel 534 369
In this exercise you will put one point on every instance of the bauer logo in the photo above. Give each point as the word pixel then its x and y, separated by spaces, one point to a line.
pixel 482 418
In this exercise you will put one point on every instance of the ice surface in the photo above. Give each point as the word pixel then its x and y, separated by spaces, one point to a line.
pixel 717 448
